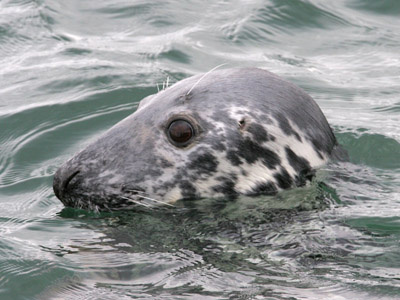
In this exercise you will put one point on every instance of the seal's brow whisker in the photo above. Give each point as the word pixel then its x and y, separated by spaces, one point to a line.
pixel 136 202
pixel 165 84
pixel 205 74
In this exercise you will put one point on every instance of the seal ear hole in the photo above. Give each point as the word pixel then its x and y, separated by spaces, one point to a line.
pixel 242 124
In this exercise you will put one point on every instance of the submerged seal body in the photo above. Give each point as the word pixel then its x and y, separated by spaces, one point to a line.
pixel 231 132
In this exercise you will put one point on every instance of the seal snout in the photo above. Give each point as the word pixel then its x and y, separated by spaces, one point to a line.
pixel 62 180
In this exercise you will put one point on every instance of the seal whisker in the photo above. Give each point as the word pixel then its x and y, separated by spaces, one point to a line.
pixel 157 201
pixel 205 74
pixel 148 198
pixel 136 202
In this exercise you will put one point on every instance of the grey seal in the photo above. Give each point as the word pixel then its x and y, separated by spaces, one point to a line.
pixel 221 134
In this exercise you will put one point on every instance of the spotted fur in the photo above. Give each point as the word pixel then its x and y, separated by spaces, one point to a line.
pixel 256 133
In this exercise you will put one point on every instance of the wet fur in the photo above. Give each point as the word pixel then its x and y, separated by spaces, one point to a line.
pixel 256 134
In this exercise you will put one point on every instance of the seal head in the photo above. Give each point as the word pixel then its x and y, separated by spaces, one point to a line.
pixel 235 131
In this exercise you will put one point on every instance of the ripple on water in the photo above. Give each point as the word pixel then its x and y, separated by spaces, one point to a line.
pixel 71 69
pixel 386 7
pixel 385 153
pixel 31 131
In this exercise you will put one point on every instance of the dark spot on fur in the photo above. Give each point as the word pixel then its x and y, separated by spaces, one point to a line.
pixel 218 146
pixel 252 152
pixel 319 146
pixel 284 180
pixel 233 157
pixel 259 133
pixel 286 127
pixel 164 163
pixel 204 164
pixel 187 189
pixel 267 188
pixel 222 116
pixel 298 163
pixel 301 166
pixel 226 187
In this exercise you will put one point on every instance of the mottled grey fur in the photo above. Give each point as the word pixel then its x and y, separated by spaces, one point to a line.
pixel 255 133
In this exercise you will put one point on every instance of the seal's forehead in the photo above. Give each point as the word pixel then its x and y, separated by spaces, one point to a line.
pixel 211 86
pixel 260 91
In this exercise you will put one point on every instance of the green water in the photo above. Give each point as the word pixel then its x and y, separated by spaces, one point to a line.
pixel 71 69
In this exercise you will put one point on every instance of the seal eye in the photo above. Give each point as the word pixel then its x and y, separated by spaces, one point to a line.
pixel 180 132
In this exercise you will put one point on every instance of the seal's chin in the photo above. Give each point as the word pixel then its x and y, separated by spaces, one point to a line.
pixel 104 202
pixel 85 203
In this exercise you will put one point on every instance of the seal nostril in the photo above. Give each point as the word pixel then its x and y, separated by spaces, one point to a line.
pixel 61 182
pixel 68 180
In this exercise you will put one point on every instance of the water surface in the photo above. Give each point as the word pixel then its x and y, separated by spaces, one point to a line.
pixel 69 70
